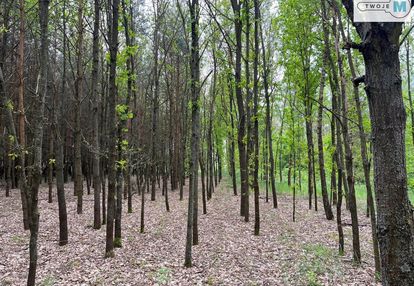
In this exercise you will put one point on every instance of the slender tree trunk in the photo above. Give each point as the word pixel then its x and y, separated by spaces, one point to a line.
pixel 112 95
pixel 292 161
pixel 348 152
pixel 33 190
pixel 365 162
pixel 324 189
pixel 95 97
pixel 268 120
pixel 240 106
pixel 78 181
pixel 58 121
pixel 142 222
pixel 50 162
pixel 22 127
pixel 248 104
pixel 155 103
pixel 195 130
pixel 204 198
pixel 232 146
pixel 256 120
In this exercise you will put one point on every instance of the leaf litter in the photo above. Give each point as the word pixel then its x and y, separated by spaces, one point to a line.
pixel 285 253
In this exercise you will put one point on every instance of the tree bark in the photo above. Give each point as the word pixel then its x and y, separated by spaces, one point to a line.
pixel 347 144
pixel 78 180
pixel 195 126
pixel 112 95
pixel 268 119
pixel 240 107
pixel 395 227
pixel 256 120
pixel 32 191
pixel 324 189
pixel 95 97
pixel 59 123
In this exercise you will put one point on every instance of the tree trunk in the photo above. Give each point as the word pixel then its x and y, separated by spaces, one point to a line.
pixel 248 104
pixel 268 120
pixel 347 144
pixel 256 120
pixel 202 169
pixel 112 95
pixel 95 97
pixel 22 127
pixel 365 161
pixel 58 121
pixel 324 189
pixel 232 145
pixel 195 130
pixel 395 227
pixel 78 180
pixel 240 106
pixel 33 190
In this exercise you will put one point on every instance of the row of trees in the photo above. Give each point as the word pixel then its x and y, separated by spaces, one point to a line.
pixel 129 96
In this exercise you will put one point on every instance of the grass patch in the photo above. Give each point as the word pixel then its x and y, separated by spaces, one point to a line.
pixel 163 275
pixel 48 281
pixel 283 188
pixel 210 280
pixel 73 264
pixel 18 239
pixel 118 242
pixel 317 260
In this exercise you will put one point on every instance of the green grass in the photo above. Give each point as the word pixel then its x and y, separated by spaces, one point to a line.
pixel 48 281
pixel 283 188
pixel 163 276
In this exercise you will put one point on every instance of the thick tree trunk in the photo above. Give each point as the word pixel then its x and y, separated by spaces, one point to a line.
pixel 395 214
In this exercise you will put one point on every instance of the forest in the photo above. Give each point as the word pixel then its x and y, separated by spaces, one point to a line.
pixel 205 142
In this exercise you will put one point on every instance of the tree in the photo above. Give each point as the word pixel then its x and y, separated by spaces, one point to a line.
pixel 349 165
pixel 95 97
pixel 395 227
pixel 112 96
pixel 240 107
pixel 255 118
pixel 78 179
pixel 268 117
pixel 195 126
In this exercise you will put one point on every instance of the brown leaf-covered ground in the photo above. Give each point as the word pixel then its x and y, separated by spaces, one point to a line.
pixel 286 253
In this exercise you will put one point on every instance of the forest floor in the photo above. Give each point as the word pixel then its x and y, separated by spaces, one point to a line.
pixel 285 253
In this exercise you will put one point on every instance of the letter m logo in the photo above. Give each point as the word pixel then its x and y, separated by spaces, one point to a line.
pixel 400 6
